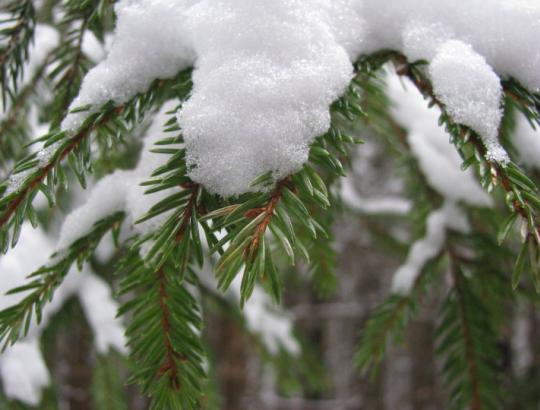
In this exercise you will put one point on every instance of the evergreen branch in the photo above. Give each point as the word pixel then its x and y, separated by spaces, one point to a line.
pixel 71 67
pixel 476 403
pixel 388 323
pixel 528 103
pixel 14 125
pixel 163 334
pixel 14 50
pixel 17 204
pixel 521 192
pixel 15 320
pixel 107 123
pixel 466 338
pixel 279 212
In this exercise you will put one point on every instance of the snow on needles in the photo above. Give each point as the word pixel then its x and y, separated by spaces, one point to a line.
pixel 123 191
pixel 441 166
pixel 266 71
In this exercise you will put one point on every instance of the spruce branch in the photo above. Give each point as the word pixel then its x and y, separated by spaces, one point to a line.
pixel 15 41
pixel 15 320
pixel 388 322
pixel 33 173
pixel 466 338
pixel 14 132
pixel 163 334
pixel 521 192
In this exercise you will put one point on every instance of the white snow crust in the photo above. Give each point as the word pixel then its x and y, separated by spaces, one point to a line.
pixel 266 71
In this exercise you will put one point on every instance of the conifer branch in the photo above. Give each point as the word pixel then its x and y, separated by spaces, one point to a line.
pixel 15 320
pixel 163 334
pixel 14 53
pixel 470 356
pixel 13 127
pixel 388 322
pixel 466 338
pixel 526 202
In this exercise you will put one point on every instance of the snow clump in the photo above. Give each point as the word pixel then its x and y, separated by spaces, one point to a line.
pixel 267 71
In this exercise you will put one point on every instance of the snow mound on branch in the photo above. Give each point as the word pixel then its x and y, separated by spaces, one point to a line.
pixel 266 74
pixel 22 367
pixel 266 71
pixel 471 92
pixel 150 42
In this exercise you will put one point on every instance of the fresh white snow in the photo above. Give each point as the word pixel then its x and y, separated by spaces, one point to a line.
pixel 266 72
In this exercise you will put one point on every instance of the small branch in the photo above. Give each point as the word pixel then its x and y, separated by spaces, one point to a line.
pixel 169 366
pixel 470 355
pixel 499 173
pixel 268 210
pixel 45 170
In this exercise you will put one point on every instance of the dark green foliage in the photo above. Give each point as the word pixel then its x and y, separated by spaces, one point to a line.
pixel 163 334
pixel 466 339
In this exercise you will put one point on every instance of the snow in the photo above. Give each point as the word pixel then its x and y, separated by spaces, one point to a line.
pixel 430 144
pixel 22 367
pixel 23 371
pixel 441 166
pixel 272 324
pixel 449 216
pixel 471 93
pixel 266 72
pixel 372 205
pixel 526 140
pixel 150 42
pixel 123 191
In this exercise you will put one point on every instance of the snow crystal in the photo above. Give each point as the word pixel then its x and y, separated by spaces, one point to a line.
pixel 22 368
pixel 266 72
pixel 470 91
pixel 449 216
